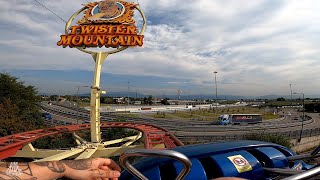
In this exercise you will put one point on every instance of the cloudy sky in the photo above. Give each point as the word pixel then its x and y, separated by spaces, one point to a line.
pixel 258 47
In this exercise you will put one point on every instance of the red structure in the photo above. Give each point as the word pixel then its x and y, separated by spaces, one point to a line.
pixel 152 135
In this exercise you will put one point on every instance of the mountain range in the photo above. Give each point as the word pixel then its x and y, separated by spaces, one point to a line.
pixel 200 96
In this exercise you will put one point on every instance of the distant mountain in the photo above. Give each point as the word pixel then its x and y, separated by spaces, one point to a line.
pixel 202 96
pixel 182 97
pixel 271 96
pixel 120 94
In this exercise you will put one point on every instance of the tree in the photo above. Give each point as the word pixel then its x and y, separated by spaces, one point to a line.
pixel 18 106
pixel 281 99
pixel 9 118
pixel 106 100
pixel 313 107
pixel 150 102
pixel 165 101
pixel 53 97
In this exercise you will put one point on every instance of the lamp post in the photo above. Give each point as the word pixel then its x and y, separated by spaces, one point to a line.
pixel 291 94
pixel 125 106
pixel 78 102
pixel 128 93
pixel 302 114
pixel 215 81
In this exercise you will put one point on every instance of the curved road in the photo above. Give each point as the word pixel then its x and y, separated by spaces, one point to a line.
pixel 193 128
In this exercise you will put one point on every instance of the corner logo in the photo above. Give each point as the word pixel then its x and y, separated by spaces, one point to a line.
pixel 106 23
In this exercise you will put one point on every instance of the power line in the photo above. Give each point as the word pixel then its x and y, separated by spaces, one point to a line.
pixel 51 11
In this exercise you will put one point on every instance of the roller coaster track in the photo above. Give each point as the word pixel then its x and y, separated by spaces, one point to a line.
pixel 152 136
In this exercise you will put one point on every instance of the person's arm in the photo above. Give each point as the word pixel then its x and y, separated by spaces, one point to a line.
pixel 93 168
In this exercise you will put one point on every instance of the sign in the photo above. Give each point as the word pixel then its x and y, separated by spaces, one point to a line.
pixel 243 117
pixel 106 23
pixel 241 164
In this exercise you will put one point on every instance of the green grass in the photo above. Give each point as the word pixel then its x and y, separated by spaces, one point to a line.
pixel 158 116
pixel 269 116
pixel 163 115
pixel 211 115
pixel 87 104
pixel 131 115
pixel 273 138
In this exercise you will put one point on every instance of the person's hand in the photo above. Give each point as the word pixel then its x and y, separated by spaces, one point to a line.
pixel 92 169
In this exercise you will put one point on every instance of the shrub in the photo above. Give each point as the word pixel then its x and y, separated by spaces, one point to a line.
pixel 273 138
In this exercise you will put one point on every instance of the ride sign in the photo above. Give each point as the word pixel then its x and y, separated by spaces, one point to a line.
pixel 106 23
pixel 244 117
pixel 240 163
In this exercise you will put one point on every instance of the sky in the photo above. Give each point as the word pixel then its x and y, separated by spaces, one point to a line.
pixel 258 47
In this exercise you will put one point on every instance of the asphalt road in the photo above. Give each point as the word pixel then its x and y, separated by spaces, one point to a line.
pixel 192 128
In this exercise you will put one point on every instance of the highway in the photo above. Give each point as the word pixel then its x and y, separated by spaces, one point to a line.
pixel 195 129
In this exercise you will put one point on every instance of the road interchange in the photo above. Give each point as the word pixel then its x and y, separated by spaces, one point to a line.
pixel 192 129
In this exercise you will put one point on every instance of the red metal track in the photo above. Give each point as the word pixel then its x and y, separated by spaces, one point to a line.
pixel 152 135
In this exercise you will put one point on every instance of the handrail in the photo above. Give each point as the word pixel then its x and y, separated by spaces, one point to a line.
pixel 155 153
pixel 305 175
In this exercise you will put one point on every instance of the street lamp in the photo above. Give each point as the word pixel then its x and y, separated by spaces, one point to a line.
pixel 128 93
pixel 302 114
pixel 291 94
pixel 215 81
pixel 125 105
pixel 78 102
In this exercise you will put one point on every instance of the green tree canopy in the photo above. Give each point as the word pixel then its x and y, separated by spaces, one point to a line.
pixel 281 99
pixel 18 106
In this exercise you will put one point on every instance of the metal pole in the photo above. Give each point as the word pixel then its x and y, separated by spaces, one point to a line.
pixel 302 115
pixel 302 122
pixel 95 97
pixel 78 105
pixel 291 94
pixel 215 80
pixel 128 93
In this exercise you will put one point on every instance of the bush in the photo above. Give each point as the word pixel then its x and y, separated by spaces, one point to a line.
pixel 273 138
pixel 63 140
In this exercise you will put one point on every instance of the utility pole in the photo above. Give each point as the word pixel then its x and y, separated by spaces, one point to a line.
pixel 291 94
pixel 78 103
pixel 136 93
pixel 302 122
pixel 128 94
pixel 215 80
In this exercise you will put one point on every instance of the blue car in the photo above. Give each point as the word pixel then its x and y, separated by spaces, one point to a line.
pixel 47 116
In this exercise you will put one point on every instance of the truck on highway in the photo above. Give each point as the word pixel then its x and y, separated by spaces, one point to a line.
pixel 226 119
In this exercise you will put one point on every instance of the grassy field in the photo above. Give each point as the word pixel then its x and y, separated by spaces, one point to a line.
pixel 202 114
pixel 131 115
pixel 211 115
pixel 87 104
